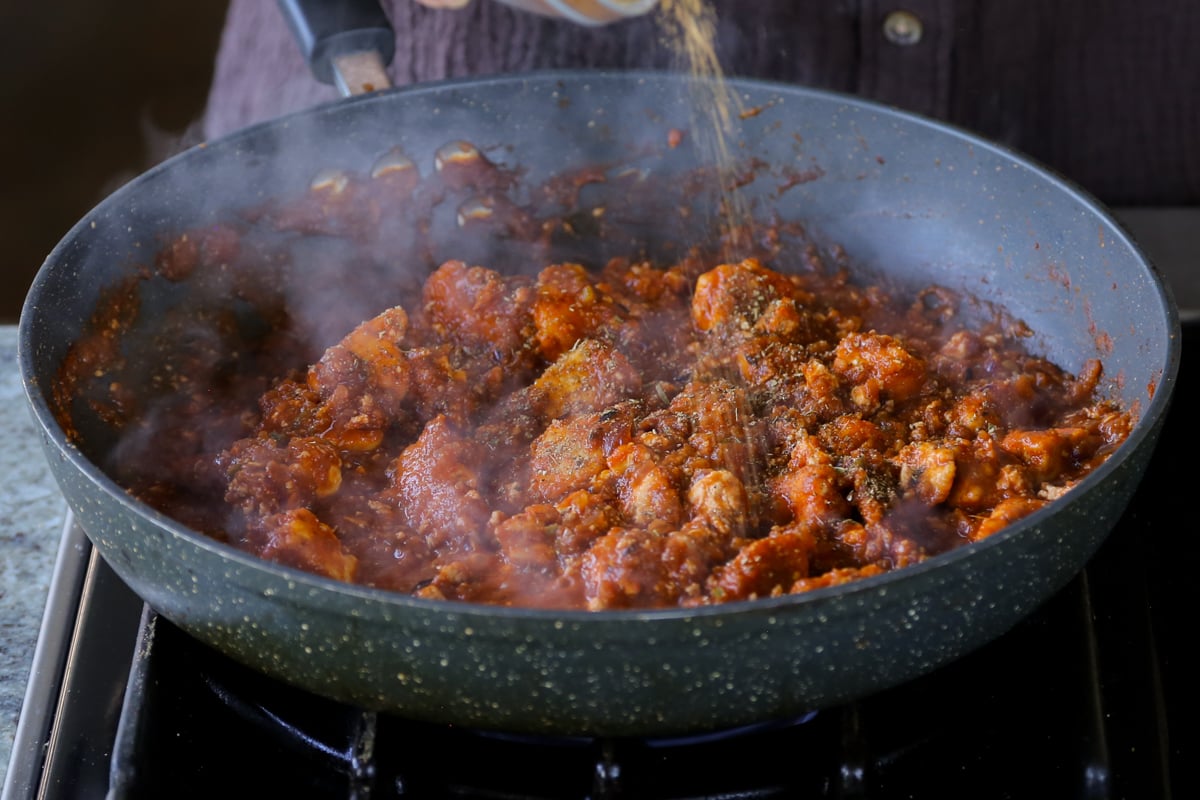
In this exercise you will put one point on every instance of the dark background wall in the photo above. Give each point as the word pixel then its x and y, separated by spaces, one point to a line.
pixel 91 94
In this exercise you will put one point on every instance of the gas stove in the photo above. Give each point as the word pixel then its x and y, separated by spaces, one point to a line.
pixel 1091 696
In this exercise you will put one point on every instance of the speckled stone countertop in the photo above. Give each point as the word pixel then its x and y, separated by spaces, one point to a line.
pixel 32 515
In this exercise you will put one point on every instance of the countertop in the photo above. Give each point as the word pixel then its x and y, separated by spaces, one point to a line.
pixel 32 516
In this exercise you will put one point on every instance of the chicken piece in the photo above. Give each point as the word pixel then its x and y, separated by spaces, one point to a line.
pixel 440 385
pixel 837 577
pixel 790 436
pixel 847 435
pixel 972 414
pixel 766 363
pixel 807 387
pixel 266 477
pixel 928 470
pixel 719 500
pixel 689 556
pixel 370 360
pixel 641 281
pixel 649 493
pixel 723 431
pixel 906 535
pixel 375 379
pixel 821 394
pixel 814 493
pixel 730 299
pixel 588 377
pixel 390 555
pixel 291 408
pixel 557 458
pixel 298 539
pixel 1085 383
pixel 357 424
pixel 352 395
pixel 875 484
pixel 527 539
pixel 584 517
pixel 625 569
pixel 469 577
pixel 571 453
pixel 1005 513
pixel 979 474
pixel 482 311
pixel 879 363
pixel 958 474
pixel 765 567
pixel 1047 454
pixel 435 482
pixel 569 307
pixel 653 329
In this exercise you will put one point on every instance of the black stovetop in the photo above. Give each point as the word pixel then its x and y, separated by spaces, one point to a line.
pixel 1089 697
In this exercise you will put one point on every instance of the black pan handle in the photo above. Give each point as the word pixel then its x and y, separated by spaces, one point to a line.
pixel 346 43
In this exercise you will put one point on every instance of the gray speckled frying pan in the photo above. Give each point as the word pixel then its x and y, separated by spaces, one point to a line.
pixel 916 200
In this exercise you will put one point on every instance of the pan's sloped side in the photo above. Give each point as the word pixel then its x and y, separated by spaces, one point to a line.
pixel 911 199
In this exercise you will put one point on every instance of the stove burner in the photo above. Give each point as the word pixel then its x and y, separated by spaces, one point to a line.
pixel 682 740
pixel 182 693
pixel 186 699
pixel 612 755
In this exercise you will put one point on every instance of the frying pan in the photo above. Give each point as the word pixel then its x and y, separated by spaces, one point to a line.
pixel 910 199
